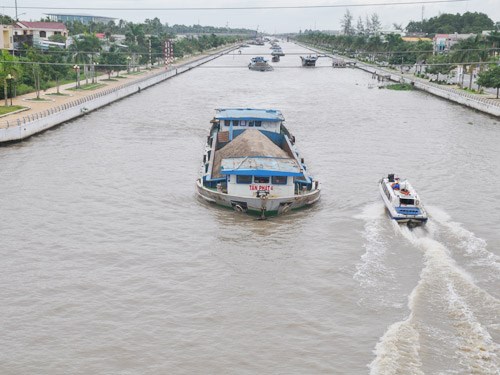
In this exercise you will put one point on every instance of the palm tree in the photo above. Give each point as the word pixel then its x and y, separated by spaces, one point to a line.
pixel 465 52
pixel 494 39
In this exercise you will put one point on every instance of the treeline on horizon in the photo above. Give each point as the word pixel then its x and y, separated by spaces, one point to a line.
pixel 391 49
pixel 446 23
pixel 467 23
pixel 150 27
pixel 35 70
pixel 365 41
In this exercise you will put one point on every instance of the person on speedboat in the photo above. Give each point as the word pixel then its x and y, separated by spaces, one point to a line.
pixel 395 185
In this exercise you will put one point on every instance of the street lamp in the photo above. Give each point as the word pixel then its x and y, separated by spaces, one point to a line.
pixel 9 78
pixel 77 71
pixel 138 62
pixel 94 77
pixel 128 64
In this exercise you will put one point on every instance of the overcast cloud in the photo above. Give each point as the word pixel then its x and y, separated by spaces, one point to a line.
pixel 279 20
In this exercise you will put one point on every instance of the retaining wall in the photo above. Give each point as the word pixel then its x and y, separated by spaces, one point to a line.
pixel 23 127
pixel 486 105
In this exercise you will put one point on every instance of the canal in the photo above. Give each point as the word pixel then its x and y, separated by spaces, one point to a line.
pixel 110 264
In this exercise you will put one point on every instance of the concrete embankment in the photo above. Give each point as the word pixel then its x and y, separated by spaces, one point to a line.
pixel 22 125
pixel 483 103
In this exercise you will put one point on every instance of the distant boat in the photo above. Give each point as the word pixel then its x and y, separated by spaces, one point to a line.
pixel 251 164
pixel 259 64
pixel 402 201
pixel 309 60
pixel 277 51
pixel 338 63
pixel 275 58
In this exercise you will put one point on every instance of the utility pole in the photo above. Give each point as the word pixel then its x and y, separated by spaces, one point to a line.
pixel 150 57
pixel 16 10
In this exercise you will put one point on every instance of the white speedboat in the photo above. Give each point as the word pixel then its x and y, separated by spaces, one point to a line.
pixel 402 201
pixel 251 164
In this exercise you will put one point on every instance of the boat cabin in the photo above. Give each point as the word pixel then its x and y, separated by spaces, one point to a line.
pixel 401 193
pixel 258 176
pixel 243 118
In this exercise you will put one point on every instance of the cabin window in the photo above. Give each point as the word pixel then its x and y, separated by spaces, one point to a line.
pixel 227 123
pixel 236 123
pixel 243 179
pixel 243 123
pixel 279 180
pixel 261 180
pixel 43 34
pixel 251 123
pixel 386 192
pixel 258 123
pixel 406 201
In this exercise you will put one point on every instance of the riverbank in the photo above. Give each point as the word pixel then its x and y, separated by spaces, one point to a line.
pixel 484 103
pixel 54 109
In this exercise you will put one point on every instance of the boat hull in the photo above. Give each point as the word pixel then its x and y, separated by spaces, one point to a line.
pixel 260 68
pixel 258 206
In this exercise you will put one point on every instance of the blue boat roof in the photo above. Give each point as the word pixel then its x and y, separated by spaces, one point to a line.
pixel 260 166
pixel 271 115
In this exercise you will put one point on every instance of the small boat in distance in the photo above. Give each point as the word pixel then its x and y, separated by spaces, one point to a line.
pixel 259 64
pixel 277 51
pixel 402 201
pixel 251 164
pixel 309 60
pixel 275 59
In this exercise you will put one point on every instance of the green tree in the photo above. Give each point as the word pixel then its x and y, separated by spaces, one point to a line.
pixel 7 66
pixel 6 20
pixel 346 23
pixel 58 38
pixel 447 23
pixel 58 67
pixel 439 64
pixel 113 60
pixel 463 53
pixel 490 78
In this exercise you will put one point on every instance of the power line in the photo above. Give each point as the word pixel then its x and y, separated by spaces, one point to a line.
pixel 245 7
pixel 236 66
pixel 73 52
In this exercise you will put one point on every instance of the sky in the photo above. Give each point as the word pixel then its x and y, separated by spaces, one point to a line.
pixel 266 20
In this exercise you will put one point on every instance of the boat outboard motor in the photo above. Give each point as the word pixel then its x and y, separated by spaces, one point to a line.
pixel 391 177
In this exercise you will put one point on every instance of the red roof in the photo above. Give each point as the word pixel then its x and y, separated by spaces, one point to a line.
pixel 41 25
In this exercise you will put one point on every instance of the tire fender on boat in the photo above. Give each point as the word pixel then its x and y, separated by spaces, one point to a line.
pixel 285 208
pixel 238 208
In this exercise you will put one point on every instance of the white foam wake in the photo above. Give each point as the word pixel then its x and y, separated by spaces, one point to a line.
pixel 442 282
pixel 473 246
pixel 397 351
pixel 371 269
pixel 476 349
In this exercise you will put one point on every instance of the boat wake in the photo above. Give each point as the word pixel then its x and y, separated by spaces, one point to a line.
pixel 470 245
pixel 371 270
pixel 447 308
